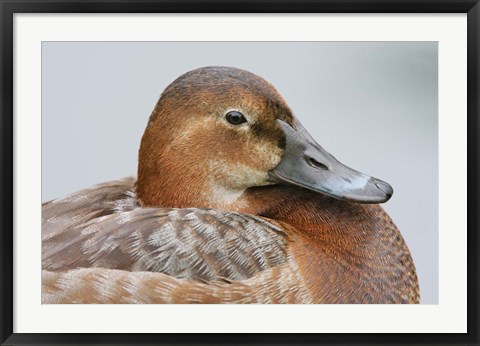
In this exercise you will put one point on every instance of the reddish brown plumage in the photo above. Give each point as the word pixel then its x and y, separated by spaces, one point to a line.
pixel 186 136
pixel 341 263
pixel 292 246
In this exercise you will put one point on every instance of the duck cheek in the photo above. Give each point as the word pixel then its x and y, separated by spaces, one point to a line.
pixel 266 157
pixel 245 176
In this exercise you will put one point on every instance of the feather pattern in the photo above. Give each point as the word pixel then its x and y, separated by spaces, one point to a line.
pixel 190 243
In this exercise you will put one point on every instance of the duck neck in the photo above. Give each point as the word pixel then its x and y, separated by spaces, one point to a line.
pixel 311 212
pixel 186 191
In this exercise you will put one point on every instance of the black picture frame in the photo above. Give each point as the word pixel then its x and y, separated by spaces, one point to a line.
pixel 10 7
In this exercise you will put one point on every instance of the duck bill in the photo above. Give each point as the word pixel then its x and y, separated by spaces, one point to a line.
pixel 307 164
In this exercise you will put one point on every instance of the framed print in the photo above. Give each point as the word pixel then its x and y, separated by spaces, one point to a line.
pixel 168 172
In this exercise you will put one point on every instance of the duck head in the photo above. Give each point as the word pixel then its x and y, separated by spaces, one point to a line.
pixel 218 132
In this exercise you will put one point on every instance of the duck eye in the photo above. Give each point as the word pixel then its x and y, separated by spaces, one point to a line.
pixel 235 118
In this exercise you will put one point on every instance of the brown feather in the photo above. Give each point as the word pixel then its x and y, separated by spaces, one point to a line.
pixel 203 244
pixel 123 241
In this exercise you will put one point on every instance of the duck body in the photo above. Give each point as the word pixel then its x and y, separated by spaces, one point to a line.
pixel 235 229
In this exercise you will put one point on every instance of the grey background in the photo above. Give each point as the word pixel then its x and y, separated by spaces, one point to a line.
pixel 373 105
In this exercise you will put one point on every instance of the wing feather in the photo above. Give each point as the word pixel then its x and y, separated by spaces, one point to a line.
pixel 102 227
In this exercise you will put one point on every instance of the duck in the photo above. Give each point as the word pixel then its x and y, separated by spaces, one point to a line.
pixel 234 202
